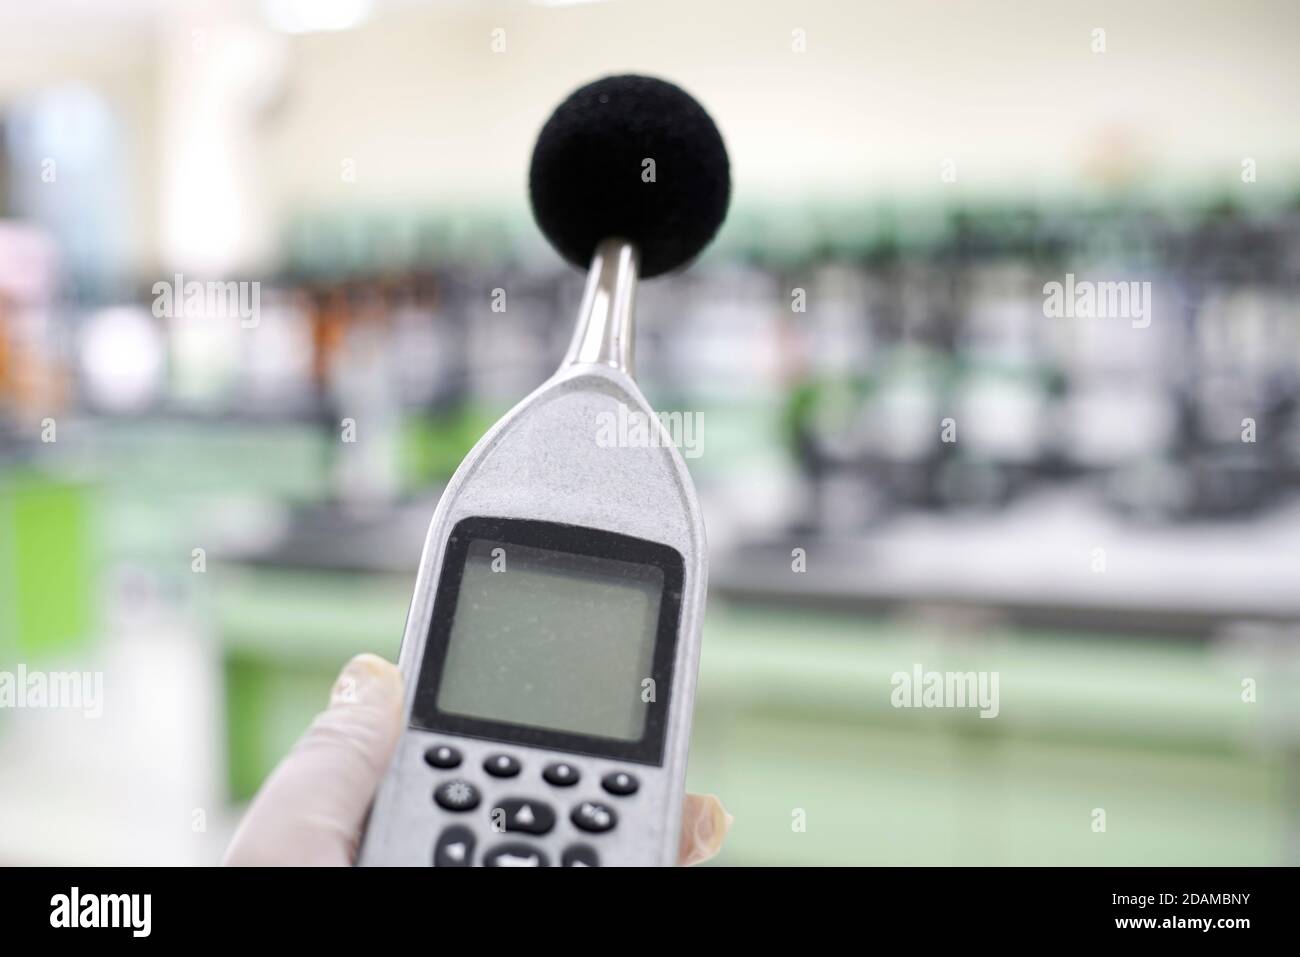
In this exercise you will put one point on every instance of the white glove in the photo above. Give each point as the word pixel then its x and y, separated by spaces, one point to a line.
pixel 311 808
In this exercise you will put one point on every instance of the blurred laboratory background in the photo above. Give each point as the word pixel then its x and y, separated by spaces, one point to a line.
pixel 907 458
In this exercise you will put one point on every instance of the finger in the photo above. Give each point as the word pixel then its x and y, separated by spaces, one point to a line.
pixel 310 810
pixel 705 822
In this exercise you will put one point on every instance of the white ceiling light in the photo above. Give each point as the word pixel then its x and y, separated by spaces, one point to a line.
pixel 316 16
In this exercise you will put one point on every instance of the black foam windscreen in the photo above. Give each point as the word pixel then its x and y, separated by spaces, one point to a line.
pixel 630 157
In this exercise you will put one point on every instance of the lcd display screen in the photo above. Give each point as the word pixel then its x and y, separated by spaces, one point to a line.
pixel 552 640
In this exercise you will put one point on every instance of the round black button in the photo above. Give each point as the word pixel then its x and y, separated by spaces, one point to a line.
pixel 580 855
pixel 521 814
pixel 515 855
pixel 457 795
pixel 620 783
pixel 455 847
pixel 594 817
pixel 442 756
pixel 501 766
pixel 560 774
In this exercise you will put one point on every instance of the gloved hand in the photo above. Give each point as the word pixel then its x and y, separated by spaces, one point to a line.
pixel 311 808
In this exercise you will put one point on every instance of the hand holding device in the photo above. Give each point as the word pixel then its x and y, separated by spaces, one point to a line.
pixel 312 808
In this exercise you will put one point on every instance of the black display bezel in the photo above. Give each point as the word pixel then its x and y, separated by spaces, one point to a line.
pixel 576 540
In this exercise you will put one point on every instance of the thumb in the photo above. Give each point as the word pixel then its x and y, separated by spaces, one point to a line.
pixel 705 822
pixel 311 808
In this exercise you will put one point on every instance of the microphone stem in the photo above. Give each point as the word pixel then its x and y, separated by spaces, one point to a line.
pixel 605 334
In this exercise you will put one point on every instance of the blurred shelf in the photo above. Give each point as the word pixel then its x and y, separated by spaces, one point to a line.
pixel 1032 564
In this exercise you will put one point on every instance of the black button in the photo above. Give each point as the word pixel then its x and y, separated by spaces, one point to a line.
pixel 580 855
pixel 515 855
pixel 456 795
pixel 593 816
pixel 455 847
pixel 620 783
pixel 520 814
pixel 442 756
pixel 561 775
pixel 501 766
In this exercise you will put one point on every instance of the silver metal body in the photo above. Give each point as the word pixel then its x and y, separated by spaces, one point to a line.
pixel 542 461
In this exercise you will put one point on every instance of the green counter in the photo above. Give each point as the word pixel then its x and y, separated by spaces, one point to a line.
pixel 796 732
pixel 48 590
